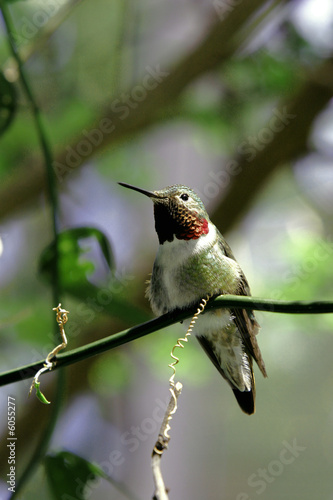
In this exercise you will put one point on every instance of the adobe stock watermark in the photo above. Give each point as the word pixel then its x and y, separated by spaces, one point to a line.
pixel 131 441
pixel 248 149
pixel 121 106
pixel 11 443
pixel 262 477
pixel 305 268
pixel 28 28
pixel 298 273
pixel 224 7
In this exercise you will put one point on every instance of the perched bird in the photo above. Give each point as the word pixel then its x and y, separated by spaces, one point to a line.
pixel 192 261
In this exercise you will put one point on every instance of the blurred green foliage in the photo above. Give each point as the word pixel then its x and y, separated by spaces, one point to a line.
pixel 79 61
pixel 8 103
pixel 70 476
pixel 73 270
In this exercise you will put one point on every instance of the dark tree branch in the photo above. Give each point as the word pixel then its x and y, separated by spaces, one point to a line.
pixel 298 113
pixel 100 346
pixel 217 46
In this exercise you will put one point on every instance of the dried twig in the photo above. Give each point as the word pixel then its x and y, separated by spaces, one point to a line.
pixel 175 389
pixel 162 444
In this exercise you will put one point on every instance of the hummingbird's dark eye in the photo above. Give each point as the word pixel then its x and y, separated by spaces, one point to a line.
pixel 184 196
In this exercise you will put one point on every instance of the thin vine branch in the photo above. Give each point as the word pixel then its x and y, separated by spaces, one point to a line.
pixel 43 140
pixel 118 339
pixel 52 192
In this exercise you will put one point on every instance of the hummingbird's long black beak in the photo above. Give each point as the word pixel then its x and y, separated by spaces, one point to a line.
pixel 150 194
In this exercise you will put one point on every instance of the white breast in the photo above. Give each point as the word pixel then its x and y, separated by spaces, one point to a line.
pixel 177 252
pixel 173 255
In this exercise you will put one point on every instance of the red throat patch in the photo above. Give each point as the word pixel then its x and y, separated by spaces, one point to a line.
pixel 193 229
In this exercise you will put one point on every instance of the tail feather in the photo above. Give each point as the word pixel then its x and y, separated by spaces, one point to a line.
pixel 245 400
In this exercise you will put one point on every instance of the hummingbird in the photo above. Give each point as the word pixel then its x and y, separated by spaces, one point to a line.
pixel 194 260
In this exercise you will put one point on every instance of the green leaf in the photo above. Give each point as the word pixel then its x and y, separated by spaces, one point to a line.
pixel 71 477
pixel 8 102
pixel 91 232
pixel 73 269
pixel 40 395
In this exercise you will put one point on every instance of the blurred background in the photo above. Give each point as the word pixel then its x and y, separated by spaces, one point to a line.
pixel 233 99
